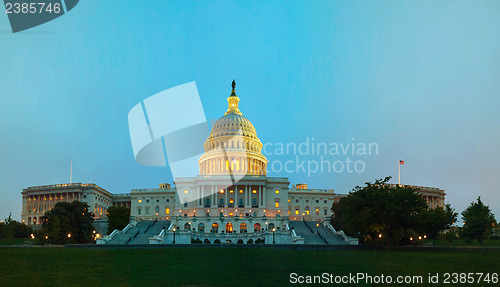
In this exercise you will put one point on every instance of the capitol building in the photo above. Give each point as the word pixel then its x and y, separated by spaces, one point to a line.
pixel 232 200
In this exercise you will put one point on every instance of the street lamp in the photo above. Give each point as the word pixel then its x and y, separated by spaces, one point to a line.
pixel 274 229
pixel 174 234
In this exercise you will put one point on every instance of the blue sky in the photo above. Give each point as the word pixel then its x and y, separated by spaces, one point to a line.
pixel 420 78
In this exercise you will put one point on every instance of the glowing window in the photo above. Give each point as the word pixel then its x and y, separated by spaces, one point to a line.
pixel 277 191
pixel 222 191
pixel 297 211
pixel 254 191
pixel 185 191
pixel 231 191
pixel 139 201
pixel 241 190
pixel 277 204
pixel 317 211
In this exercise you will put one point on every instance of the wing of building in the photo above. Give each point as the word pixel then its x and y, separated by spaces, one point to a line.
pixel 231 200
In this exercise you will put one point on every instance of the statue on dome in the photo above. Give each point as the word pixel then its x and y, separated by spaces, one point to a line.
pixel 233 85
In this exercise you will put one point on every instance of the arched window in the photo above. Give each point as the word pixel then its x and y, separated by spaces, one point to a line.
pixel 201 227
pixel 147 210
pixel 241 203
pixel 307 210
pixel 215 227
pixel 256 227
pixel 231 202
pixel 221 202
pixel 243 228
pixel 229 227
pixel 277 203
pixel 254 202
pixel 317 210
pixel 270 226
pixel 29 220
pixel 207 202
pixel 139 211
pixel 157 210
pixel 167 210
pixel 187 227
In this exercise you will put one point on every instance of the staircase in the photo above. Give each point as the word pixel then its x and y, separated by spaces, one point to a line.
pixel 316 233
pixel 140 233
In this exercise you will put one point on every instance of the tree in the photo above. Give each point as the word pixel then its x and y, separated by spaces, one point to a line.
pixel 479 222
pixel 118 217
pixel 379 210
pixel 11 228
pixel 431 221
pixel 68 222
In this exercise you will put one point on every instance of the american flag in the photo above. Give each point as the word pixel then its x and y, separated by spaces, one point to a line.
pixel 401 161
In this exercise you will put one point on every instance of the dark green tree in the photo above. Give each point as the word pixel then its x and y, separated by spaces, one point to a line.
pixel 11 228
pixel 431 221
pixel 479 222
pixel 118 217
pixel 378 209
pixel 68 222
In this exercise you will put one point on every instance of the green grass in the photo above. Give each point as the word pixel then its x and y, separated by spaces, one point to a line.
pixel 220 266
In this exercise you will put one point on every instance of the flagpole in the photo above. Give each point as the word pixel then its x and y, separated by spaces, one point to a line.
pixel 71 173
pixel 399 172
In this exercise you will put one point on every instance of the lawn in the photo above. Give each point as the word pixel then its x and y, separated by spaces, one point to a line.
pixel 221 266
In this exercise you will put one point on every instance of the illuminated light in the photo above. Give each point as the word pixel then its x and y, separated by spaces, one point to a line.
pixel 139 201
pixel 241 190
pixel 185 191
pixel 46 237
pixel 264 211
pixel 411 238
pixel 380 236
pixel 420 238
pixel 69 235
pixel 274 229
pixel 425 236
pixel 97 235
pixel 173 229
pixel 231 191
pixel 317 224
pixel 254 191
pixel 93 231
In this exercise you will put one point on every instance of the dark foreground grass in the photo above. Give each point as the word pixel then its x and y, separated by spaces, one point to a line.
pixel 222 266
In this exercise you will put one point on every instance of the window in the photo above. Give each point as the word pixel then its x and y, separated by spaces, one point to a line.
pixel 168 200
pixel 139 201
pixel 185 204
pixel 326 201
pixel 157 210
pixel 296 211
pixel 317 211
pixel 157 200
pixel 296 200
pixel 139 211
pixel 241 190
pixel 187 227
pixel 307 210
pixel 277 203
pixel 254 191
pixel 147 200
pixel 317 201
pixel 186 191
pixel 201 227
pixel 325 212
pixel 241 202
pixel 167 210
pixel 277 191
pixel 221 202
pixel 147 210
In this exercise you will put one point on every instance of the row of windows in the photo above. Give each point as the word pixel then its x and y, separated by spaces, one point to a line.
pixel 147 200
pixel 307 211
pixel 307 200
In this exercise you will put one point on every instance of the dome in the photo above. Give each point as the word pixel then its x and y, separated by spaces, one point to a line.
pixel 233 124
pixel 233 145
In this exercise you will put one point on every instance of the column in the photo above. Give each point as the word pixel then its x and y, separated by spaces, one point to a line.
pixel 226 203
pixel 236 190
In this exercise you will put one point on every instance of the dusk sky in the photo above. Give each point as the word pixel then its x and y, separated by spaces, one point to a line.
pixel 421 79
